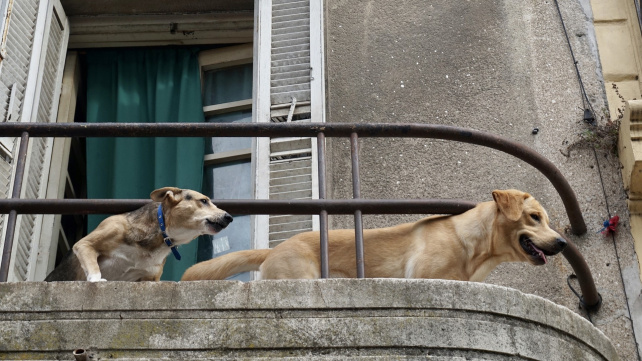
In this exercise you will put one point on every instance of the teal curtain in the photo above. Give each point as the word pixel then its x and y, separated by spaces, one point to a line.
pixel 144 86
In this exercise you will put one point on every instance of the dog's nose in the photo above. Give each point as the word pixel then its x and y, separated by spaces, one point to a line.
pixel 228 218
pixel 561 243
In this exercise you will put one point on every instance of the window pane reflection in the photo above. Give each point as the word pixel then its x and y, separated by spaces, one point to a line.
pixel 216 145
pixel 227 85
pixel 228 180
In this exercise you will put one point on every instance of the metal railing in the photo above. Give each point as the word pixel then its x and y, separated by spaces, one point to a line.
pixel 322 206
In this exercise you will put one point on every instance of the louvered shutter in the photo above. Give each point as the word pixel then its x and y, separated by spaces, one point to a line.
pixel 41 104
pixel 294 49
pixel 290 75
pixel 13 80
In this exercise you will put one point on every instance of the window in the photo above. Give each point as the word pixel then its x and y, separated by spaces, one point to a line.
pixel 226 79
pixel 202 23
pixel 227 98
pixel 266 75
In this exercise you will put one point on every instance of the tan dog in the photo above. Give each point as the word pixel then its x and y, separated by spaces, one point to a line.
pixel 512 228
pixel 131 246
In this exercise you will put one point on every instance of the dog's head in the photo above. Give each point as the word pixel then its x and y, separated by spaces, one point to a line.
pixel 525 225
pixel 189 213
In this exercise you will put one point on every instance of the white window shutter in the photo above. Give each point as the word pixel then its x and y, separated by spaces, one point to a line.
pixel 42 95
pixel 287 167
pixel 13 74
pixel 290 56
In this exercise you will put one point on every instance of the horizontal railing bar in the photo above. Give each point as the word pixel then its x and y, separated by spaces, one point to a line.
pixel 290 129
pixel 245 206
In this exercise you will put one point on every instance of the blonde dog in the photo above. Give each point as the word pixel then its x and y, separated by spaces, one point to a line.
pixel 134 246
pixel 512 228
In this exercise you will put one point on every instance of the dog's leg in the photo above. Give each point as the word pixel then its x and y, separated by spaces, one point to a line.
pixel 154 277
pixel 106 237
pixel 160 272
pixel 88 258
pixel 158 275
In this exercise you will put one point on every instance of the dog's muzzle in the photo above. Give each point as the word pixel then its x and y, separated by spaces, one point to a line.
pixel 219 224
pixel 537 254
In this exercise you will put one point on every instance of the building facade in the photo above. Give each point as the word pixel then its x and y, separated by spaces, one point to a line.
pixel 527 71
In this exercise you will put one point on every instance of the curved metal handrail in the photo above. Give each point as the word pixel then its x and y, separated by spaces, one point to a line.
pixel 319 130
pixel 445 132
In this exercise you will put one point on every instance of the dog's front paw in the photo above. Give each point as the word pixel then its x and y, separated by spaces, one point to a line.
pixel 95 278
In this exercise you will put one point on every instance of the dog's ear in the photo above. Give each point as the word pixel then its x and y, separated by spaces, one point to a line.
pixel 510 203
pixel 170 193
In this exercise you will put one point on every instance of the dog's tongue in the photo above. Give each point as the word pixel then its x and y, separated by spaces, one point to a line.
pixel 541 254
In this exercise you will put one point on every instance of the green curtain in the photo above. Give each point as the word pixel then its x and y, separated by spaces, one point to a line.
pixel 144 86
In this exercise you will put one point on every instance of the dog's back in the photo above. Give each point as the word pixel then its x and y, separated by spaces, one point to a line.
pixel 512 228
pixel 68 270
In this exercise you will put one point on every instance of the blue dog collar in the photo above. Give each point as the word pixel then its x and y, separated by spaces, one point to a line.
pixel 168 241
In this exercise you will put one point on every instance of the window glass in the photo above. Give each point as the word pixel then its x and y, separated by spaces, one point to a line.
pixel 217 145
pixel 229 180
pixel 227 84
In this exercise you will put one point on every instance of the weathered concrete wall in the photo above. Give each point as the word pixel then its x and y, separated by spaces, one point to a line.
pixel 321 319
pixel 500 66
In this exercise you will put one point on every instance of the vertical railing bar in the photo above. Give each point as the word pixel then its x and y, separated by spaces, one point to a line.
pixel 13 215
pixel 356 194
pixel 323 215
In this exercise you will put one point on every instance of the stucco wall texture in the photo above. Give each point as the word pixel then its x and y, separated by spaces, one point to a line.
pixel 502 67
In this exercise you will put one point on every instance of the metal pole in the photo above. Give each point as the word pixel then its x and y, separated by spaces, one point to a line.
pixel 590 297
pixel 356 194
pixel 323 215
pixel 13 215
pixel 246 206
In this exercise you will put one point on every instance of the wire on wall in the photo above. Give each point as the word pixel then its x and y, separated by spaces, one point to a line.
pixel 589 117
pixel 589 112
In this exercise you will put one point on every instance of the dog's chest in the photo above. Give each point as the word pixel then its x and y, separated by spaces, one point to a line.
pixel 131 263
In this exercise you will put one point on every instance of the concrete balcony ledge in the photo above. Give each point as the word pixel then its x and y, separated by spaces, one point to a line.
pixel 299 319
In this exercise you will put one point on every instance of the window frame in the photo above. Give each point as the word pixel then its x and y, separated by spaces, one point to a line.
pixel 220 58
pixel 59 178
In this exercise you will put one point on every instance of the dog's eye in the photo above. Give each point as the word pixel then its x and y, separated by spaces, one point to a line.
pixel 535 217
pixel 205 201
